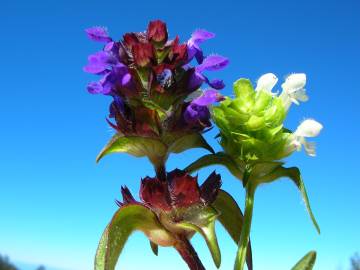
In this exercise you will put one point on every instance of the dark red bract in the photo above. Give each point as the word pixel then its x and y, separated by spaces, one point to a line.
pixel 181 190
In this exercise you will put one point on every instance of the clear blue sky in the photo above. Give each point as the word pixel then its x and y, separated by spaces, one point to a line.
pixel 55 201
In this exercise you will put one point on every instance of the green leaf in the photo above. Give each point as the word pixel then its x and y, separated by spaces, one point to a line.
pixel 193 140
pixel 203 222
pixel 232 218
pixel 260 170
pixel 101 250
pixel 136 146
pixel 154 248
pixel 213 159
pixel 125 221
pixel 307 262
pixel 294 174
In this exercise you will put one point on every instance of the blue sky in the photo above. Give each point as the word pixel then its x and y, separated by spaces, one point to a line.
pixel 55 201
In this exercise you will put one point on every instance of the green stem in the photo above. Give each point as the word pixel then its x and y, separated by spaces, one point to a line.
pixel 245 231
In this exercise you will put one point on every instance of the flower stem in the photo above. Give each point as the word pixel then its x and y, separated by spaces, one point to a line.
pixel 188 253
pixel 245 231
pixel 161 172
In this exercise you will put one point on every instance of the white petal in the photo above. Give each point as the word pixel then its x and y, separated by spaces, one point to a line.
pixel 294 82
pixel 300 95
pixel 266 82
pixel 310 148
pixel 309 128
pixel 294 100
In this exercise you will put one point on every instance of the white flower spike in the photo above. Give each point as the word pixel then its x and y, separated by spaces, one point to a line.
pixel 293 89
pixel 266 82
pixel 307 129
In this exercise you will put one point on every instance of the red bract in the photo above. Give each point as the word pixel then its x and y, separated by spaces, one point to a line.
pixel 143 53
pixel 181 190
pixel 157 31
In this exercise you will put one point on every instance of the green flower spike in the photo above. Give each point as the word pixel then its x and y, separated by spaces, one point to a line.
pixel 255 140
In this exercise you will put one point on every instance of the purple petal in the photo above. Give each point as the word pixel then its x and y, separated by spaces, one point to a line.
pixel 126 79
pixel 94 88
pixel 196 80
pixel 199 36
pixel 199 55
pixel 98 33
pixel 193 44
pixel 195 113
pixel 117 106
pixel 207 98
pixel 212 63
pixel 216 84
pixel 98 62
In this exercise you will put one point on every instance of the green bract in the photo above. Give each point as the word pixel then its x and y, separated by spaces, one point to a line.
pixel 251 124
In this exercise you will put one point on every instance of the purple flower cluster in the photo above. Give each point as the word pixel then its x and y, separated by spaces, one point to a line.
pixel 146 72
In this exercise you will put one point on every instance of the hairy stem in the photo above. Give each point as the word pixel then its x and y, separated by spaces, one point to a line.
pixel 189 254
pixel 245 231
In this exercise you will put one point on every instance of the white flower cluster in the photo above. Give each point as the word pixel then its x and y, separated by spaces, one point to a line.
pixel 293 91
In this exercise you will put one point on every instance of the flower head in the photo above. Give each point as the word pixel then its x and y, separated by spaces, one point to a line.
pixel 252 124
pixel 152 74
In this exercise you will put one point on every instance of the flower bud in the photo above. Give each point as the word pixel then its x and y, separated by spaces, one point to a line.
pixel 157 31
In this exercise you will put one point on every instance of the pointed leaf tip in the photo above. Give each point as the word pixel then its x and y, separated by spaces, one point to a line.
pixel 294 174
pixel 189 141
pixel 307 262
pixel 154 248
pixel 135 146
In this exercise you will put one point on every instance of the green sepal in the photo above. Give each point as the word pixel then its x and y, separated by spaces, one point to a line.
pixel 154 149
pixel 154 248
pixel 214 159
pixel 189 141
pixel 294 174
pixel 203 222
pixel 307 262
pixel 125 221
pixel 231 217
pixel 244 89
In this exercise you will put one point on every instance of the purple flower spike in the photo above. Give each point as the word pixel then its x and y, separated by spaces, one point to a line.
pixel 213 63
pixel 98 33
pixel 208 97
pixel 98 62
pixel 194 50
